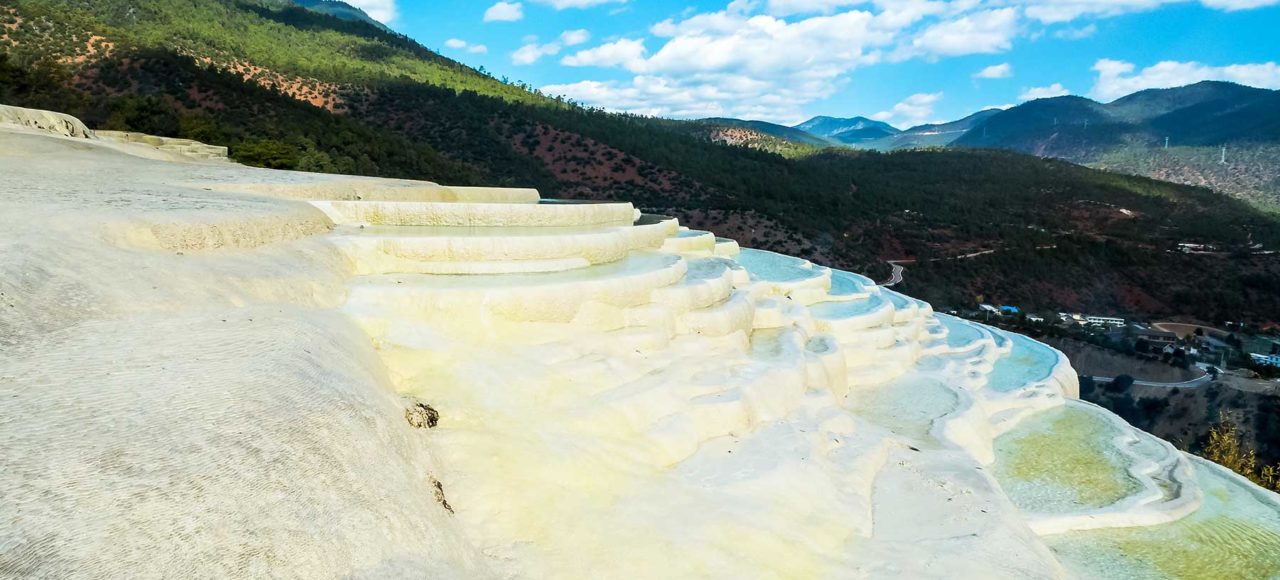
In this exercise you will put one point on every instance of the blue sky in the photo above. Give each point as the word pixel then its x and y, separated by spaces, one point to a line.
pixel 903 61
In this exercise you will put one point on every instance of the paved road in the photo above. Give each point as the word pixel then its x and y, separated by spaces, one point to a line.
pixel 1191 384
pixel 896 277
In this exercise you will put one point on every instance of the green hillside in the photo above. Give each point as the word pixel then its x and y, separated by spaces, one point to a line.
pixel 771 137
pixel 290 88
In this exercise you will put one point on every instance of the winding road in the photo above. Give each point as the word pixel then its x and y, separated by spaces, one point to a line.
pixel 1191 384
pixel 898 269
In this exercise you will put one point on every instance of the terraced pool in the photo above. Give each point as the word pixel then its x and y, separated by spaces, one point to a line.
pixel 1235 534
pixel 1062 460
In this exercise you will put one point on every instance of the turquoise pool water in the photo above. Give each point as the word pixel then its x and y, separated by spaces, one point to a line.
pixel 771 267
pixel 846 309
pixel 1029 362
pixel 960 334
pixel 846 283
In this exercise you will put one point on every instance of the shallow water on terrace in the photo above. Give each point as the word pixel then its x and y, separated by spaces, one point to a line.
pixel 773 267
pixel 899 301
pixel 907 406
pixel 1063 460
pixel 576 202
pixel 1235 534
pixel 846 283
pixel 960 334
pixel 1029 362
pixel 637 263
pixel 842 310
pixel 476 231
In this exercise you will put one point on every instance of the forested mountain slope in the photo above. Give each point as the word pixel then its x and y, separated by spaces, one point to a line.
pixel 1130 135
pixel 289 88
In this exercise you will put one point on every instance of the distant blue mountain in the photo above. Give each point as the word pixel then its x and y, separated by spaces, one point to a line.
pixel 339 9
pixel 853 129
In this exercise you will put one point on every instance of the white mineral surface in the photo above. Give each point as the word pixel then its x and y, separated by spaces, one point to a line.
pixel 208 370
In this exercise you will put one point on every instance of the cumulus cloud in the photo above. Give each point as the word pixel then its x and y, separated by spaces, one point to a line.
pixel 1053 90
pixel 504 12
pixel 767 50
pixel 1080 33
pixel 459 44
pixel 1233 5
pixel 713 95
pixel 1118 78
pixel 914 110
pixel 995 71
pixel 565 4
pixel 985 32
pixel 574 37
pixel 624 53
pixel 533 52
pixel 383 11
pixel 792 7
pixel 1056 11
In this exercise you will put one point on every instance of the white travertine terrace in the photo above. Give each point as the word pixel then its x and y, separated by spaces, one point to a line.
pixel 206 370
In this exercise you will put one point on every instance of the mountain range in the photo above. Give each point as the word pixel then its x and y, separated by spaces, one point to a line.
pixel 1129 135
pixel 287 86
pixel 848 131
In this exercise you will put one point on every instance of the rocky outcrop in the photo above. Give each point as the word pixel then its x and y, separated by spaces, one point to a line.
pixel 184 147
pixel 48 121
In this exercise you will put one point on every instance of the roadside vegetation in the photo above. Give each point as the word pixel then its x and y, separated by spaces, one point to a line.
pixel 1226 449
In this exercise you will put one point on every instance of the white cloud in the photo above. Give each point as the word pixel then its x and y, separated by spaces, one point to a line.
pixel 1118 78
pixel 744 61
pixel 1053 90
pixel 792 7
pixel 504 12
pixel 1055 11
pixel 767 47
pixel 776 56
pixel 713 95
pixel 914 110
pixel 564 4
pixel 383 11
pixel 1077 33
pixel 533 52
pixel 1233 5
pixel 459 44
pixel 995 71
pixel 985 32
pixel 574 37
pixel 624 53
